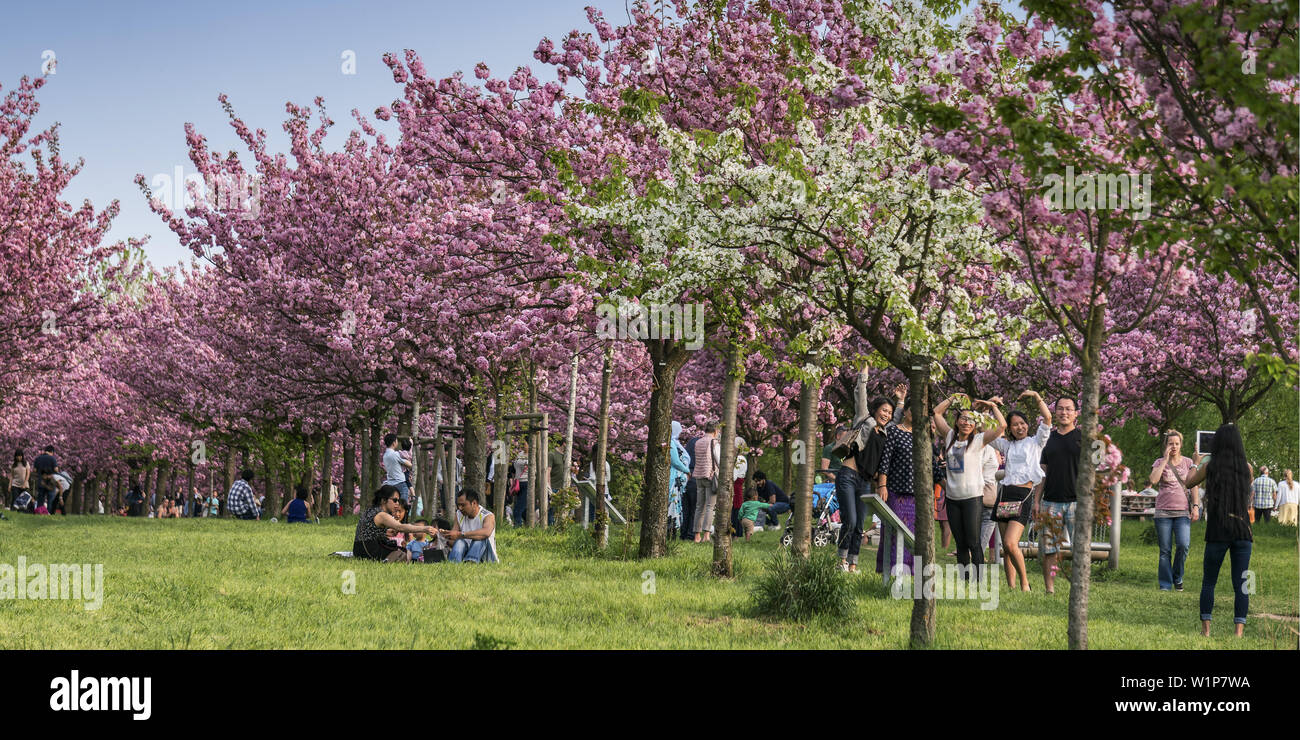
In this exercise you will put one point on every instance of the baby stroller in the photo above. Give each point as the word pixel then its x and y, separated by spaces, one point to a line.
pixel 826 526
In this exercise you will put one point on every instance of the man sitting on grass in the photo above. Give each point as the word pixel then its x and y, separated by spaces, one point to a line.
pixel 473 538
pixel 240 499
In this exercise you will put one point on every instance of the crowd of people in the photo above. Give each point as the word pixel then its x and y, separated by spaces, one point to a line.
pixel 993 480
pixel 991 472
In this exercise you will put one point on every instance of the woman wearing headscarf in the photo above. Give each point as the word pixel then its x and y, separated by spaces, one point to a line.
pixel 677 475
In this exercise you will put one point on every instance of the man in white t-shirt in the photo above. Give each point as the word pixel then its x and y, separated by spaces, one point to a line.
pixel 473 536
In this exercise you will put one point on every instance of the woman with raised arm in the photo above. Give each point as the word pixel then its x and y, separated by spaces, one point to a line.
pixel 964 449
pixel 371 540
pixel 1020 479
pixel 857 477
pixel 1176 508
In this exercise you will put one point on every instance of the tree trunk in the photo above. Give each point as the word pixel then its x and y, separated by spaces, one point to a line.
pixel 347 496
pixel 727 463
pixel 544 469
pixel 601 525
pixel 785 461
pixel 654 493
pixel 568 429
pixel 287 481
pixel 923 608
pixel 308 469
pixel 326 476
pixel 76 492
pixel 499 462
pixel 268 483
pixel 809 392
pixel 1081 537
pixel 476 444
pixel 534 465
pixel 229 479
pixel 367 467
pixel 191 483
pixel 415 455
pixel 376 452
pixel 449 468
pixel 150 476
pixel 435 501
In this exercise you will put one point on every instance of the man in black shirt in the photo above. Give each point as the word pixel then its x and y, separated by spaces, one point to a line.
pixel 45 465
pixel 770 493
pixel 1060 463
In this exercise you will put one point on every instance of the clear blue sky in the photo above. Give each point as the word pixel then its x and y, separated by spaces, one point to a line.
pixel 131 74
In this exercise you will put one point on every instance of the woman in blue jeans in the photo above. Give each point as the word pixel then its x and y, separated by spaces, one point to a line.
pixel 854 479
pixel 1227 522
pixel 1176 508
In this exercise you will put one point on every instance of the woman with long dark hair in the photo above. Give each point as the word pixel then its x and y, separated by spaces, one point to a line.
pixel 371 540
pixel 896 479
pixel 855 478
pixel 19 477
pixel 964 445
pixel 1020 479
pixel 1227 521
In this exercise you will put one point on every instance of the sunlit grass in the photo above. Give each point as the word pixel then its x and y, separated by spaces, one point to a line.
pixel 228 584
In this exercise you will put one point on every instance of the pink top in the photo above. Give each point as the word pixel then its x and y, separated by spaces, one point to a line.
pixel 1171 495
pixel 703 454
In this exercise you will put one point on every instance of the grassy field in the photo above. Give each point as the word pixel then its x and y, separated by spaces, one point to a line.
pixel 228 584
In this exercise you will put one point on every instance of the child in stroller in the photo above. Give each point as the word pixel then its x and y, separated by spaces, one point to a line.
pixel 826 524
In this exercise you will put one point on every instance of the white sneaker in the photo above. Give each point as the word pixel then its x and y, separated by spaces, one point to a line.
pixel 758 528
pixel 844 567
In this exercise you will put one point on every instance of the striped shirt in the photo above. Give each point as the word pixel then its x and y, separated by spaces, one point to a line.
pixel 1265 489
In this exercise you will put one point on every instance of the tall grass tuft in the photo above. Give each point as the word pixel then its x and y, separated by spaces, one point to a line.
pixel 794 589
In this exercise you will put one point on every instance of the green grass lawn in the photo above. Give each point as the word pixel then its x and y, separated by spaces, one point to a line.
pixel 229 584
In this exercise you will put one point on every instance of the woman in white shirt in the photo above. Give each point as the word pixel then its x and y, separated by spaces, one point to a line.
pixel 1288 495
pixel 1020 480
pixel 965 453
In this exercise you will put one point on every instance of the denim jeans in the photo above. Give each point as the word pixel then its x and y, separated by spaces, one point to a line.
pixel 1065 512
pixel 1214 552
pixel 780 507
pixel 471 551
pixel 520 508
pixel 849 490
pixel 1175 536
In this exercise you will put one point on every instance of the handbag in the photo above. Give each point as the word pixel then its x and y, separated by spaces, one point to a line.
pixel 991 495
pixel 1007 510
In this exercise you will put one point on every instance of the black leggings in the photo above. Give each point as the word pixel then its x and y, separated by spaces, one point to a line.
pixel 964 517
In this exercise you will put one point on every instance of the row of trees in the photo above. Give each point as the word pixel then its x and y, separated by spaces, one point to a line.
pixel 831 184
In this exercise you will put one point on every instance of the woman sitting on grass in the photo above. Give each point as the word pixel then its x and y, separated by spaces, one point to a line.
pixel 299 509
pixel 371 539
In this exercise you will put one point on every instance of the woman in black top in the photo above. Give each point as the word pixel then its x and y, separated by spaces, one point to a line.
pixel 854 479
pixel 1227 521
pixel 896 480
pixel 372 540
